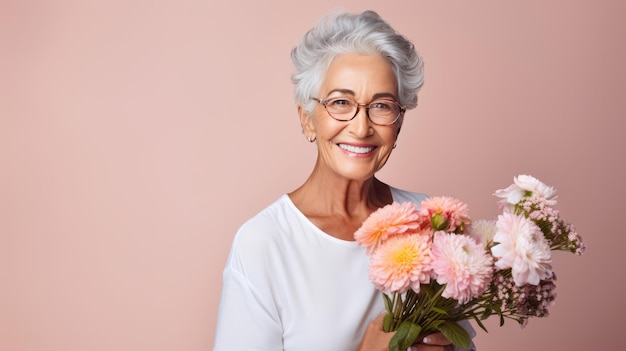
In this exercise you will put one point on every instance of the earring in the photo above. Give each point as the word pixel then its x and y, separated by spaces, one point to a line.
pixel 395 144
pixel 310 140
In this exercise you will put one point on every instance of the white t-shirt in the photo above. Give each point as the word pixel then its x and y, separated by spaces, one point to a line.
pixel 288 286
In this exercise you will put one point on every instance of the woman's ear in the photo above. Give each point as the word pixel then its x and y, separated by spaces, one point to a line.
pixel 306 122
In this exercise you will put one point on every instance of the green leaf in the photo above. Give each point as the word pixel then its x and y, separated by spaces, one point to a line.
pixel 497 308
pixel 388 303
pixel 456 334
pixel 438 310
pixel 405 336
pixel 435 324
pixel 480 323
pixel 487 313
pixel 388 322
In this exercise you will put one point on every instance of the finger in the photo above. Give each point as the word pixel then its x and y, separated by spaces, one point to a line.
pixel 424 347
pixel 435 339
pixel 378 321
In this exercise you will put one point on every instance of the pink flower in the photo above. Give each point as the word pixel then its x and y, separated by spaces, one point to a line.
pixel 523 248
pixel 462 264
pixel 400 263
pixel 396 218
pixel 444 213
pixel 523 184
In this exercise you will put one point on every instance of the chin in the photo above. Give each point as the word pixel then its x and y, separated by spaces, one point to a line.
pixel 358 174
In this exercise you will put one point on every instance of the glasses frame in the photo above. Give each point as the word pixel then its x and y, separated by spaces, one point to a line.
pixel 323 102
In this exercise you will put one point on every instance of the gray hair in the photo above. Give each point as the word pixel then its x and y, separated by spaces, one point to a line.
pixel 341 32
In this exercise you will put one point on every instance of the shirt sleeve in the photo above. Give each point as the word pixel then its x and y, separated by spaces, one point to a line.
pixel 245 321
pixel 472 333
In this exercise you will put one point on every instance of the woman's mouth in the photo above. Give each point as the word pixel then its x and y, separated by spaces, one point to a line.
pixel 357 149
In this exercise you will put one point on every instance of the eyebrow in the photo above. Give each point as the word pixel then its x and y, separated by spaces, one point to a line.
pixel 350 92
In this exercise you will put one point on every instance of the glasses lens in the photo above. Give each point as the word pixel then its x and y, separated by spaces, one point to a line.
pixel 341 109
pixel 383 111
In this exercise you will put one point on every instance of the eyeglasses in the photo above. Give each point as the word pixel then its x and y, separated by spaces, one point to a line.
pixel 382 112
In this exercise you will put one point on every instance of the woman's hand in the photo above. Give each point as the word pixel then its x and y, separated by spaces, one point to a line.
pixel 433 342
pixel 375 339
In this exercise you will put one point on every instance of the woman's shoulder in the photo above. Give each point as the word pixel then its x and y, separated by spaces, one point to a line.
pixel 269 227
pixel 268 219
pixel 401 195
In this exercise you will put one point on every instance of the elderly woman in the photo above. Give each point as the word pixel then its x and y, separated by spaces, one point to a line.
pixel 295 278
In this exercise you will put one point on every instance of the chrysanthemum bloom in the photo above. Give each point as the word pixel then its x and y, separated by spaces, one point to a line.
pixel 522 247
pixel 462 264
pixel 395 218
pixel 400 263
pixel 483 230
pixel 450 213
pixel 523 184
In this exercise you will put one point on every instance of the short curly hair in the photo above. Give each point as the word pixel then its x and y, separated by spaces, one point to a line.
pixel 341 32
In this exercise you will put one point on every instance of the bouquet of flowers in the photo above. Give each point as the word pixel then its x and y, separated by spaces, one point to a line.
pixel 436 267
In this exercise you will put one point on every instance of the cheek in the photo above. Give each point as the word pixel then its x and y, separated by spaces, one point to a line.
pixel 328 128
pixel 399 126
pixel 391 135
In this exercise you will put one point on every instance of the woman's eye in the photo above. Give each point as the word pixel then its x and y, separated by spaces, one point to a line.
pixel 339 102
pixel 381 105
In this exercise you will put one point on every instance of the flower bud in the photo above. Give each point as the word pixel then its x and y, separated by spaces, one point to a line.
pixel 439 222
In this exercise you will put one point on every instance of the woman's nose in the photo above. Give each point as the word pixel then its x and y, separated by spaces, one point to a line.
pixel 361 124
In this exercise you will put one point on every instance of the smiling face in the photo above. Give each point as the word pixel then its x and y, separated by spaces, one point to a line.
pixel 355 149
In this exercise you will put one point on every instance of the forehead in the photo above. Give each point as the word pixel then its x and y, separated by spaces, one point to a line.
pixel 362 75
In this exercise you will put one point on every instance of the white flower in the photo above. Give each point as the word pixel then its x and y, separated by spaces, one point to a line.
pixel 482 231
pixel 526 183
pixel 523 248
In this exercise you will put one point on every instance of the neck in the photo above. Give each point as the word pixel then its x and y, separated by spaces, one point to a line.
pixel 339 208
pixel 324 195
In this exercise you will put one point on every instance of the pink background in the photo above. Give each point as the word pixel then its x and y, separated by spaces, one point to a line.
pixel 136 136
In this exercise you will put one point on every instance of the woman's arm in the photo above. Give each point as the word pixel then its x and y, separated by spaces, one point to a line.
pixel 243 323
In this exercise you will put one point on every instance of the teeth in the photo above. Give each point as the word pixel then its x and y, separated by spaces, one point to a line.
pixel 357 149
